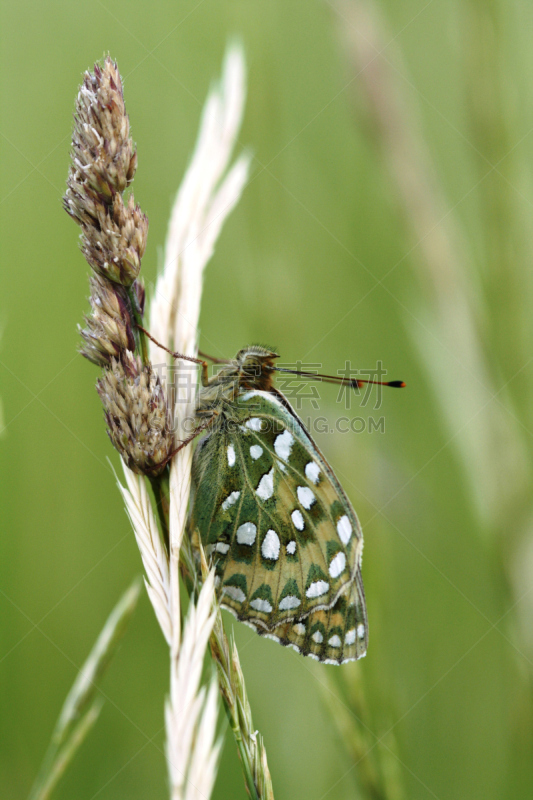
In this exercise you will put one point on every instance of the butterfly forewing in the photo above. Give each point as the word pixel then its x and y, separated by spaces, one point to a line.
pixel 286 542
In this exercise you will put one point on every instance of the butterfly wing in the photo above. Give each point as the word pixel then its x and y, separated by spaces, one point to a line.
pixel 335 635
pixel 285 539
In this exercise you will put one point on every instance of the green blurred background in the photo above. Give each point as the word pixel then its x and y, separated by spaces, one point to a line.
pixel 388 216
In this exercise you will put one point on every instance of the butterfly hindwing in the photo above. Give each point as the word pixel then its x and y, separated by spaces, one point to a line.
pixel 285 539
pixel 336 635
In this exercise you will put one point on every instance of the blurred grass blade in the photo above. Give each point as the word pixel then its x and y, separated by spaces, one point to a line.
pixel 377 766
pixel 447 325
pixel 57 765
pixel 81 708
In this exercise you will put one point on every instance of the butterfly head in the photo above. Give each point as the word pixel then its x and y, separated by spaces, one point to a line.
pixel 252 368
pixel 255 366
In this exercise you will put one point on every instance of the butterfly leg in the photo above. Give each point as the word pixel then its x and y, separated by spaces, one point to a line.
pixel 204 364
pixel 205 424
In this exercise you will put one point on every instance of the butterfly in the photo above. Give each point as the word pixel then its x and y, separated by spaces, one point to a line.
pixel 272 516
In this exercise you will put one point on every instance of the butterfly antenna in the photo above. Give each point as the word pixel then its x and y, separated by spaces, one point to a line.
pixel 356 383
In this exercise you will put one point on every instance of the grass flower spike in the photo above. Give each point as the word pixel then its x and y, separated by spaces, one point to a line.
pixel 109 329
pixel 115 245
pixel 153 553
pixel 137 416
pixel 113 240
pixel 104 159
pixel 191 711
pixel 103 165
pixel 208 193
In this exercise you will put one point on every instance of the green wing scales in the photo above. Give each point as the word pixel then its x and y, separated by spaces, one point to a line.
pixel 335 635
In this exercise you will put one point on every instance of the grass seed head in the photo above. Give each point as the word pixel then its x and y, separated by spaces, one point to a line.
pixel 136 413
pixel 108 331
pixel 115 245
pixel 103 154
pixel 103 164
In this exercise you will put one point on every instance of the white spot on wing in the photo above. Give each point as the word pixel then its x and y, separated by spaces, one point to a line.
pixel 271 545
pixel 317 637
pixel 255 424
pixel 289 602
pixel 261 605
pixel 231 455
pixel 335 641
pixel 312 472
pixel 299 629
pixel 305 496
pixel 350 637
pixel 317 589
pixel 283 445
pixel 361 631
pixel 298 520
pixel 222 547
pixel 256 451
pixel 230 500
pixel 265 489
pixel 344 529
pixel 313 656
pixel 246 533
pixel 235 593
pixel 291 548
pixel 337 565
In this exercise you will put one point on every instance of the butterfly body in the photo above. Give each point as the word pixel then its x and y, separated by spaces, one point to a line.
pixel 272 516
